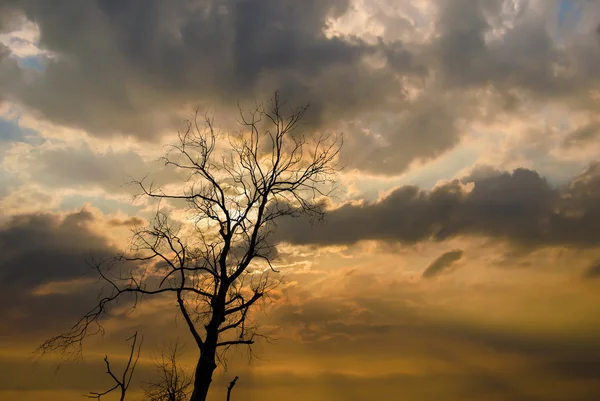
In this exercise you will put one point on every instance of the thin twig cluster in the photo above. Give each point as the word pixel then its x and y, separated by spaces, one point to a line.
pixel 236 187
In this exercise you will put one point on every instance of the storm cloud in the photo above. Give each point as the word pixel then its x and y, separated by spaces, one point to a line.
pixel 520 207
pixel 121 68
pixel 46 280
pixel 128 61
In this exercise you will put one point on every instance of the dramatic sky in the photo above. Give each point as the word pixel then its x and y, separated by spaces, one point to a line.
pixel 460 259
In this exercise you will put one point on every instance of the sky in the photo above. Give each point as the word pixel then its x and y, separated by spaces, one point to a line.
pixel 459 258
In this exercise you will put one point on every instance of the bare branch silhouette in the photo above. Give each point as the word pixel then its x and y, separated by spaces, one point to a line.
pixel 230 387
pixel 174 381
pixel 221 266
pixel 123 381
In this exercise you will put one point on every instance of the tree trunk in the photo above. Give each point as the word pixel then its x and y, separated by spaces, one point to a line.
pixel 207 363
pixel 203 376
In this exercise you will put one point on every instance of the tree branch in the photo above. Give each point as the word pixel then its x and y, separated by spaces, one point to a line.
pixel 230 387
pixel 125 380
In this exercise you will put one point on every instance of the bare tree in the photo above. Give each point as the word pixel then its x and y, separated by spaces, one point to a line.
pixel 122 381
pixel 219 267
pixel 174 381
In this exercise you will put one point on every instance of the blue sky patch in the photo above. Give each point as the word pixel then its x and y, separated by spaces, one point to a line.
pixel 36 62
pixel 10 131
pixel 569 12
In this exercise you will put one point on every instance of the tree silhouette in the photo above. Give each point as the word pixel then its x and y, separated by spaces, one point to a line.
pixel 230 387
pixel 174 381
pixel 122 381
pixel 218 269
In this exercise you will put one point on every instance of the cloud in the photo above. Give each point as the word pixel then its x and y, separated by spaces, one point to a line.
pixel 519 207
pixel 78 165
pixel 10 132
pixel 407 82
pixel 583 368
pixel 117 68
pixel 9 20
pixel 39 251
pixel 523 56
pixel 131 221
pixel 166 54
pixel 378 335
pixel 10 74
pixel 390 142
pixel 442 263
pixel 582 135
pixel 593 271
pixel 405 331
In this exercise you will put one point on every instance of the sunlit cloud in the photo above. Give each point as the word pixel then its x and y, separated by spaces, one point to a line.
pixel 458 255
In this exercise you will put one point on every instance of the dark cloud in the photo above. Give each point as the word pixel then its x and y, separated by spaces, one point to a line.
pixel 132 221
pixel 520 207
pixel 121 66
pixel 583 135
pixel 584 368
pixel 40 249
pixel 593 271
pixel 119 62
pixel 462 46
pixel 525 58
pixel 9 19
pixel 442 263
pixel 393 141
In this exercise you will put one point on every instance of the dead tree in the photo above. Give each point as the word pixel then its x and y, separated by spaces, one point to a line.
pixel 174 381
pixel 218 268
pixel 122 381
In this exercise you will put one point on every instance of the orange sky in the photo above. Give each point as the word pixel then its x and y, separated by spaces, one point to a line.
pixel 458 259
